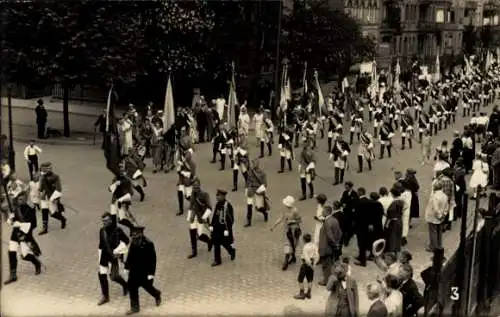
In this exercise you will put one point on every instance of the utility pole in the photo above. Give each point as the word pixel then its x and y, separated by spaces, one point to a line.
pixel 277 81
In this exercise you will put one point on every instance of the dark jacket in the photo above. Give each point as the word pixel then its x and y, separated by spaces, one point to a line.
pixel 362 218
pixel 378 309
pixel 41 115
pixel 412 299
pixel 348 200
pixel 376 213
pixel 141 259
pixel 222 220
pixel 330 237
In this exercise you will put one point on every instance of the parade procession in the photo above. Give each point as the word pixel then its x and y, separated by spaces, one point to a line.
pixel 338 182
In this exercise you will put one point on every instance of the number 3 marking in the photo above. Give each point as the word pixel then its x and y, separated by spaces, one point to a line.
pixel 455 295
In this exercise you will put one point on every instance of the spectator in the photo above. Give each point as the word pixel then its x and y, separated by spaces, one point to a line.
pixel 386 200
pixel 330 242
pixel 310 257
pixel 41 119
pixel 412 299
pixel 377 307
pixel 394 299
pixel 394 226
pixel 343 298
pixel 435 213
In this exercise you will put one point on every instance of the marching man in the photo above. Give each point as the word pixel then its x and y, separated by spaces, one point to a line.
pixel 256 192
pixel 221 227
pixel 406 130
pixel 365 150
pixel 198 218
pixel 267 132
pixel 51 193
pixel 286 150
pixel 121 199
pixel 242 161
pixel 356 125
pixel 339 153
pixel 258 121
pixel 134 172
pixel 187 172
pixel 386 134
pixel 307 170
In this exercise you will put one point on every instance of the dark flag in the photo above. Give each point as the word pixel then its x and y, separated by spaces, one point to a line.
pixel 112 145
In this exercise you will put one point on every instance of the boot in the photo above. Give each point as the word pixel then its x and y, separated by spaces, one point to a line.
pixel 389 150
pixel 282 165
pixel 300 295
pixel 308 294
pixel 33 259
pixel 45 220
pixel 289 164
pixel 311 190
pixel 342 172
pixel 336 176
pixel 358 136
pixel 382 148
pixel 194 243
pixel 351 135
pixel 369 164
pixel 403 143
pixel 410 143
pixel 103 281
pixel 303 187
pixel 12 267
pixel 264 212
pixel 222 162
pixel 286 262
pixel 59 216
pixel 360 164
pixel 261 149
pixel 245 176
pixel 420 137
pixel 126 223
pixel 329 145
pixel 235 180
pixel 144 182
pixel 249 216
pixel 138 188
pixel 180 200
pixel 269 149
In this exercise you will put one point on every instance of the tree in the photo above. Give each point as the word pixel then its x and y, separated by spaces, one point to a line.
pixel 327 39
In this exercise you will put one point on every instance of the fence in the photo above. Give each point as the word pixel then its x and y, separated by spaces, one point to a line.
pixel 466 283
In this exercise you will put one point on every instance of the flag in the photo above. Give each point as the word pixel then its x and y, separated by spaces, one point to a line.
pixel 397 73
pixel 232 101
pixel 321 99
pixel 304 78
pixel 283 92
pixel 168 108
pixel 437 72
pixel 498 55
pixel 489 61
pixel 468 66
pixel 112 146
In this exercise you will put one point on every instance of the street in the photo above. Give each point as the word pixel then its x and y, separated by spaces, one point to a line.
pixel 252 284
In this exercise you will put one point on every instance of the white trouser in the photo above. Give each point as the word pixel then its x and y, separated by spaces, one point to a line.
pixel 307 176
pixel 286 153
pixel 20 246
pixel 186 190
pixel 256 200
pixel 406 222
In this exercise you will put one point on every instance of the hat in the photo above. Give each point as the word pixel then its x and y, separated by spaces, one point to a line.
pixel 46 165
pixel 288 201
pixel 378 247
pixel 39 101
pixel 221 192
pixel 321 198
pixel 411 171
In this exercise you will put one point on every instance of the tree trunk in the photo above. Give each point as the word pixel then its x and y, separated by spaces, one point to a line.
pixel 66 88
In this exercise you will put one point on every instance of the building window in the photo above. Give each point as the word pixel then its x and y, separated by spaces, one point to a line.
pixel 440 16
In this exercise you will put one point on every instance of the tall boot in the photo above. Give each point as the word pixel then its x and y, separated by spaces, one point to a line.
pixel 59 216
pixel 360 164
pixel 358 135
pixel 329 145
pixel 193 236
pixel 351 135
pixel 297 136
pixel 282 165
pixel 269 149
pixel 403 143
pixel 235 180
pixel 410 143
pixel 261 149
pixel 435 129
pixel 245 176
pixel 382 148
pixel 103 281
pixel 126 223
pixel 342 172
pixel 222 162
pixel 289 161
pixel 35 261
pixel 138 188
pixel 286 262
pixel 214 154
pixel 336 176
pixel 311 190
pixel 389 150
pixel 12 267
pixel 45 221
pixel 144 182
pixel 180 200
pixel 420 137
pixel 303 187
pixel 369 164
pixel 249 215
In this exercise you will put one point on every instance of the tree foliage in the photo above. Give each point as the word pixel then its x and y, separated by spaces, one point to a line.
pixel 327 39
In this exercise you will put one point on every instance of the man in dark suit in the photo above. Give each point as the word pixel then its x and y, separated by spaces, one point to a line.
pixel 412 299
pixel 330 241
pixel 221 226
pixel 41 118
pixel 363 225
pixel 100 124
pixel 348 201
pixel 141 264
pixel 376 213
pixel 378 308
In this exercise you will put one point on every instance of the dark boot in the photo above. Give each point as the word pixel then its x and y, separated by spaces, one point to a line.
pixel 138 188
pixel 33 259
pixel 351 135
pixel 245 176
pixel 329 145
pixel 13 268
pixel 286 262
pixel 410 143
pixel 103 281
pixel 420 137
pixel 45 221
pixel 194 243
pixel 342 172
pixel 180 200
pixel 382 148
pixel 289 164
pixel 249 215
pixel 59 216
pixel 264 212
pixel 389 147
pixel 261 149
pixel 222 162
pixel 282 165
pixel 311 190
pixel 403 143
pixel 235 180
pixel 336 176
pixel 300 295
pixel 369 164
pixel 360 164
pixel 303 187
pixel 308 293
pixel 269 149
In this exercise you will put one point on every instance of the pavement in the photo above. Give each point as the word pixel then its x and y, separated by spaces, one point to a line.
pixel 251 285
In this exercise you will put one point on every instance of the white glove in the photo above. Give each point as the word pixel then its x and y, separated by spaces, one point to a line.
pixel 299 167
pixel 150 277
pixel 280 146
pixel 16 224
pixel 226 233
pixel 330 157
pixel 211 229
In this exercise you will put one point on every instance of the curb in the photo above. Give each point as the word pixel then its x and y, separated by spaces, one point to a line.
pixel 62 141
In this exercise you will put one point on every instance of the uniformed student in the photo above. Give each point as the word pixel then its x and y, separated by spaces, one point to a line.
pixel 198 216
pixel 307 170
pixel 186 169
pixel 141 266
pixel 134 172
pixel 221 227
pixel 256 192
pixel 23 221
pixel 31 152
pixel 365 151
pixel 338 155
pixel 113 243
pixel 121 199
pixel 286 150
pixel 51 194
pixel 386 134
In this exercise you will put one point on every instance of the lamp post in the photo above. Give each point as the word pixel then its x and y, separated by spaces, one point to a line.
pixel 12 155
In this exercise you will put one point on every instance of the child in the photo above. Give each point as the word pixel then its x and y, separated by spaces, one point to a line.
pixel 426 145
pixel 34 192
pixel 479 175
pixel 310 257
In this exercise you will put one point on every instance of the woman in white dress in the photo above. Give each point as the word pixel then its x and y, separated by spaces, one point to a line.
pixel 319 218
pixel 480 174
